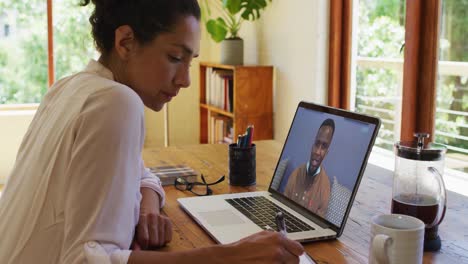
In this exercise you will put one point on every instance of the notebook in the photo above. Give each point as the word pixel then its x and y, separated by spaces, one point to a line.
pixel 169 173
pixel 314 184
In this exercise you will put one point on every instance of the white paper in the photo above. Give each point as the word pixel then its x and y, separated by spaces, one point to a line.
pixel 305 259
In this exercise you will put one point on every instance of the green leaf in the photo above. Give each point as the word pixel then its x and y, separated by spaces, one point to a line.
pixel 251 8
pixel 233 6
pixel 218 29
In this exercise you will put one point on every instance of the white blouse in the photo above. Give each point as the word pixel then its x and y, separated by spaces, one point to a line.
pixel 74 193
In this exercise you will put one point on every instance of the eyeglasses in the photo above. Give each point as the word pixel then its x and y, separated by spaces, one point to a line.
pixel 198 188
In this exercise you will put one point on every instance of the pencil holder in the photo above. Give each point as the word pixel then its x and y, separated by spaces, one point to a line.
pixel 242 169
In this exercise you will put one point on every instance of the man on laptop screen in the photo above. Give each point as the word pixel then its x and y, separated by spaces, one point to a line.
pixel 308 184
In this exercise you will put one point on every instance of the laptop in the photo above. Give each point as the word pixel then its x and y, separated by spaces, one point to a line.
pixel 314 184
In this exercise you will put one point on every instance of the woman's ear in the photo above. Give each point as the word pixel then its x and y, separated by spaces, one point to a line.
pixel 125 41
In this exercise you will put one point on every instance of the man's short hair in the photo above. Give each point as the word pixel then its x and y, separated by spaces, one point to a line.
pixel 330 123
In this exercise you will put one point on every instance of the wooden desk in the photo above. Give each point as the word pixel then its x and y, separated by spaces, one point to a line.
pixel 374 197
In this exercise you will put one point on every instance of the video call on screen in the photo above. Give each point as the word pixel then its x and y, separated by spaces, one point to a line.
pixel 321 161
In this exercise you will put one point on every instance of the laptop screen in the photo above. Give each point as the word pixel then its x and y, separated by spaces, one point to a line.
pixel 321 162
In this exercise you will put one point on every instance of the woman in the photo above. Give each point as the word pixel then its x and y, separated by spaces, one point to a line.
pixel 79 192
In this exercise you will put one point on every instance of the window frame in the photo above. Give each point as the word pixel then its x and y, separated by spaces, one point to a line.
pixel 50 63
pixel 339 53
pixel 419 70
pixel 50 44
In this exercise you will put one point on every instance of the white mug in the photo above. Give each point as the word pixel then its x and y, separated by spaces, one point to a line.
pixel 396 238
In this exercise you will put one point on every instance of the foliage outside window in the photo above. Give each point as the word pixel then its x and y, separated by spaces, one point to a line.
pixel 381 30
pixel 452 94
pixel 23 51
pixel 381 34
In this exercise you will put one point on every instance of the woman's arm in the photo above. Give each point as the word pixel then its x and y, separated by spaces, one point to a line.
pixel 103 179
pixel 263 247
pixel 153 230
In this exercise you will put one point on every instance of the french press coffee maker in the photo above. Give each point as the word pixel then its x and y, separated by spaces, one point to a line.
pixel 418 186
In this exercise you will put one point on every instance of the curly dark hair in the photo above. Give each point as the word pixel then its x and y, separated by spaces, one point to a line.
pixel 147 18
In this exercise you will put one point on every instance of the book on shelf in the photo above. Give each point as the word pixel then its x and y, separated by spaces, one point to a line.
pixel 169 173
pixel 219 88
pixel 208 84
pixel 220 128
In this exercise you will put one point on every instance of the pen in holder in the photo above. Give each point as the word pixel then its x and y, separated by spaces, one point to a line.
pixel 242 168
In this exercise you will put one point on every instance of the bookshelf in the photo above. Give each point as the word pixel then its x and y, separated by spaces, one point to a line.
pixel 233 97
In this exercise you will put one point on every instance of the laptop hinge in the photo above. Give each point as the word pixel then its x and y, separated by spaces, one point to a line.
pixel 302 211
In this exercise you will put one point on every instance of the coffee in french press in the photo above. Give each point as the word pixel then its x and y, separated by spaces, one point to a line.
pixel 418 186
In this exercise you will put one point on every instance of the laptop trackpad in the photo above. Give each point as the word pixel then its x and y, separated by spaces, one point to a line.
pixel 221 217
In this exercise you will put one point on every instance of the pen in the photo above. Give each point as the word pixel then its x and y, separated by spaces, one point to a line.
pixel 251 135
pixel 280 224
pixel 246 139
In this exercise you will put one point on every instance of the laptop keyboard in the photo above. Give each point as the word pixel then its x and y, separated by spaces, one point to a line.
pixel 263 211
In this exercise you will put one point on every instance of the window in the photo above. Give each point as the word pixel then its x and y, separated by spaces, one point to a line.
pixel 452 84
pixel 24 48
pixel 395 73
pixel 378 77
pixel 73 43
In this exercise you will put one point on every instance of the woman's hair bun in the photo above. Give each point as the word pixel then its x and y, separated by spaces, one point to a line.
pixel 147 18
pixel 100 2
pixel 84 2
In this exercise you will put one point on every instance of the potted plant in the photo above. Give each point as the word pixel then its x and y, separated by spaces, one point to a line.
pixel 225 28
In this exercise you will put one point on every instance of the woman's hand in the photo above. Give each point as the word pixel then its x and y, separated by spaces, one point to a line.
pixel 153 229
pixel 264 247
